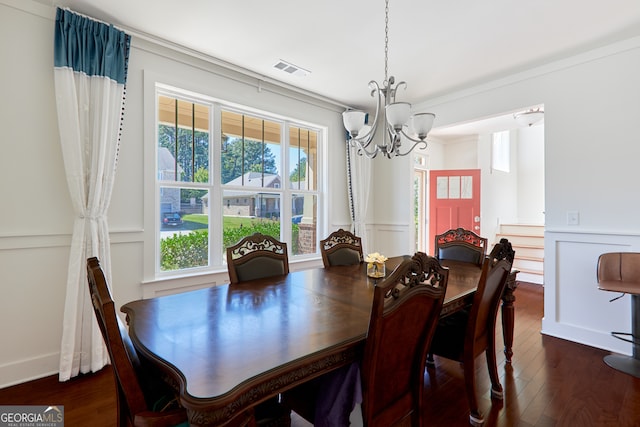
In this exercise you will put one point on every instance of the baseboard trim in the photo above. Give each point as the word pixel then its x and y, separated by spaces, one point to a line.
pixel 29 369
pixel 597 339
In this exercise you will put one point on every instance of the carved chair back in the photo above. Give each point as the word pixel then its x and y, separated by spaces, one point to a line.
pixel 502 250
pixel 255 257
pixel 460 245
pixel 341 248
pixel 405 312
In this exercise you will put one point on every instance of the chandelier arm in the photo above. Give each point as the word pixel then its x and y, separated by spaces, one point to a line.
pixel 394 139
pixel 365 140
pixel 412 139
pixel 423 143
pixel 361 145
pixel 375 88
pixel 362 150
pixel 394 91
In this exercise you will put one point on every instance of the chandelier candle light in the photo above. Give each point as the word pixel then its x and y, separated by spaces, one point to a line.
pixel 395 116
pixel 376 265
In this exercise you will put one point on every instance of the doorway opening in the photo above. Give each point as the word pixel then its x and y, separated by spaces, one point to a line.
pixel 512 195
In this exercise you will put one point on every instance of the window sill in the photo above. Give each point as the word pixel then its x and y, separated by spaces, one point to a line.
pixel 200 280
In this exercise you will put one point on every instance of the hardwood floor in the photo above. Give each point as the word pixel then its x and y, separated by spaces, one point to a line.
pixel 88 400
pixel 551 382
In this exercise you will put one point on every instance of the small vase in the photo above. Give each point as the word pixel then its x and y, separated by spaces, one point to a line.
pixel 376 269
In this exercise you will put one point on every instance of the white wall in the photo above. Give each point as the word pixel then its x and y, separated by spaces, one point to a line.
pixel 498 189
pixel 461 154
pixel 530 160
pixel 590 156
pixel 36 218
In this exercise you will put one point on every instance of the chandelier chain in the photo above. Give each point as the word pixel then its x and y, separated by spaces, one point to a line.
pixel 386 41
pixel 394 117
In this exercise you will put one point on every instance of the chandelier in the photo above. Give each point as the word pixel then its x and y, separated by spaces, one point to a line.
pixel 395 117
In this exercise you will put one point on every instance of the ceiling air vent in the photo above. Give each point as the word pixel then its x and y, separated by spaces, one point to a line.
pixel 289 68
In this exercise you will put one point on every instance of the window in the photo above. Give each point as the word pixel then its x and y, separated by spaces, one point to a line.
pixel 500 151
pixel 420 197
pixel 227 182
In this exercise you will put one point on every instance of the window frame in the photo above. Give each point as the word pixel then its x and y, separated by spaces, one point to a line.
pixel 420 171
pixel 217 259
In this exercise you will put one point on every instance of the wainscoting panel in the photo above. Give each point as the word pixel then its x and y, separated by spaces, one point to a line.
pixel 574 308
pixel 391 240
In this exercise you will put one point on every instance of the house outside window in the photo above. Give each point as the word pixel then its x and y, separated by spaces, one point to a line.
pixel 251 173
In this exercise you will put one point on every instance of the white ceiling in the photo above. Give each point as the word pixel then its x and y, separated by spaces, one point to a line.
pixel 435 46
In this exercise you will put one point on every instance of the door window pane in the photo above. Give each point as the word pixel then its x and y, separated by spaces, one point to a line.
pixel 466 190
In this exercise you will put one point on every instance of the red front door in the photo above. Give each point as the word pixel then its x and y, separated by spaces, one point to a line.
pixel 454 200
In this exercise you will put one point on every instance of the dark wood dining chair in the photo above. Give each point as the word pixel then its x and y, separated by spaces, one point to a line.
pixel 405 311
pixel 137 390
pixel 503 250
pixel 143 398
pixel 255 257
pixel 460 245
pixel 466 334
pixel 341 248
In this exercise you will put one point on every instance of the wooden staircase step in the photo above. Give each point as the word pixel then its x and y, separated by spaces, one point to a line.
pixel 528 242
pixel 528 229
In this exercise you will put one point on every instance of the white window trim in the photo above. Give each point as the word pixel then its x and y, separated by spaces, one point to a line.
pixel 160 282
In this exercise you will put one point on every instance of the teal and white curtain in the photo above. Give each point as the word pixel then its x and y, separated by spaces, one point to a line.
pixel 90 70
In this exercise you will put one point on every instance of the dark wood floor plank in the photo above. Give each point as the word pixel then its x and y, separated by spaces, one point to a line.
pixel 88 400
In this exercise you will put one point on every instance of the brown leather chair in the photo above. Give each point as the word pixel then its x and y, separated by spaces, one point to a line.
pixel 466 334
pixel 255 257
pixel 460 245
pixel 341 248
pixel 405 311
pixel 620 272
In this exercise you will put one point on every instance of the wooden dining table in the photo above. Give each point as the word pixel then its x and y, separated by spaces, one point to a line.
pixel 229 347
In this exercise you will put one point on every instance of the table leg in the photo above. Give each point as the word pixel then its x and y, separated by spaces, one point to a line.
pixel 508 315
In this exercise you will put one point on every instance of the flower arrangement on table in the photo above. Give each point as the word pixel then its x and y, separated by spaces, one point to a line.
pixel 375 265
